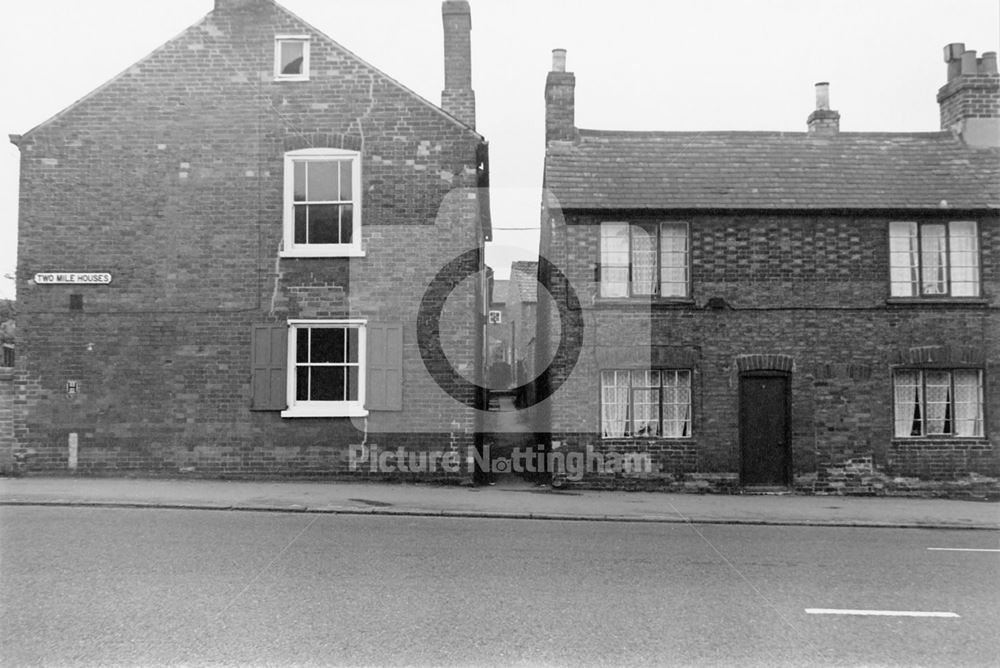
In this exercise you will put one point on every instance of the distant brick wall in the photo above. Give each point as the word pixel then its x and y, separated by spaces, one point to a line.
pixel 171 179
pixel 6 419
pixel 807 295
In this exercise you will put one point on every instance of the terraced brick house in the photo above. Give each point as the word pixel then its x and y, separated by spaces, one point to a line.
pixel 223 252
pixel 817 309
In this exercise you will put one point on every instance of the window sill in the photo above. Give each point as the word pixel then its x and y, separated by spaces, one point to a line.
pixel 940 440
pixel 298 77
pixel 309 253
pixel 641 302
pixel 306 412
pixel 970 302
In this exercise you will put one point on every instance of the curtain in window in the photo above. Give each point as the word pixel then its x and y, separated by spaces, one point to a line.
pixel 964 244
pixel 907 403
pixel 968 403
pixel 614 403
pixel 903 259
pixel 676 404
pixel 938 402
pixel 646 403
pixel 643 261
pixel 934 260
pixel 673 260
pixel 614 259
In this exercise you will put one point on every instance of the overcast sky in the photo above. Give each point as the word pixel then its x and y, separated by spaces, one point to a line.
pixel 639 64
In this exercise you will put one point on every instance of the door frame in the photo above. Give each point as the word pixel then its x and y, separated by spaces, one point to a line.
pixel 786 469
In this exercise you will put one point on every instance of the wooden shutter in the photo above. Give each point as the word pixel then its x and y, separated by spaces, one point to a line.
pixel 384 384
pixel 270 373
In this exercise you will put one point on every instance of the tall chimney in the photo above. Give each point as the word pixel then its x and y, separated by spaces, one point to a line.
pixel 970 100
pixel 457 98
pixel 823 121
pixel 560 106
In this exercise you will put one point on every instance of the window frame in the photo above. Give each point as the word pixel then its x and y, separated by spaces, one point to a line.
pixel 292 249
pixel 660 391
pixel 922 379
pixel 305 408
pixel 279 40
pixel 499 317
pixel 920 295
pixel 657 293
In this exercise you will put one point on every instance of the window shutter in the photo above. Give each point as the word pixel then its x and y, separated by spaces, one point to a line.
pixel 384 384
pixel 269 364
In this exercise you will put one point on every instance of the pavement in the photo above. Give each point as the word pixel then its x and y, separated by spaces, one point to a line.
pixel 515 501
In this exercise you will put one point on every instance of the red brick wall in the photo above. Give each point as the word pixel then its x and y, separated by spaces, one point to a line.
pixel 170 178
pixel 809 291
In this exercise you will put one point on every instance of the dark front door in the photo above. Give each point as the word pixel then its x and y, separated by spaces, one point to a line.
pixel 765 445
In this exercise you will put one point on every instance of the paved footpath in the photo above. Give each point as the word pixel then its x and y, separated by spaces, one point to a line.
pixel 505 502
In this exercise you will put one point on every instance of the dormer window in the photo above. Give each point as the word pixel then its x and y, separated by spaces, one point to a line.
pixel 291 58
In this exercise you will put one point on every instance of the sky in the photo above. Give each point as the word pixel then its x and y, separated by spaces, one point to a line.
pixel 639 64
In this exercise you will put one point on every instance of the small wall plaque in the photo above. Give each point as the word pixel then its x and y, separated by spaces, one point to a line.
pixel 73 278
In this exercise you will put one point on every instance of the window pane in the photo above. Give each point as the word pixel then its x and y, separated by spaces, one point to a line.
pixel 302 344
pixel 302 383
pixel 327 345
pixel 646 412
pixel 903 259
pixel 673 260
pixel 352 383
pixel 352 345
pixel 907 403
pixel 933 260
pixel 291 56
pixel 322 180
pixel 614 259
pixel 614 403
pixel 299 180
pixel 676 404
pixel 324 226
pixel 643 261
pixel 964 244
pixel 327 383
pixel 346 182
pixel 346 223
pixel 968 403
pixel 938 402
pixel 301 224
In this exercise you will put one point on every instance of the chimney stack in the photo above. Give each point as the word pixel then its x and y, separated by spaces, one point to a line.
pixel 823 121
pixel 560 94
pixel 458 98
pixel 970 100
pixel 233 4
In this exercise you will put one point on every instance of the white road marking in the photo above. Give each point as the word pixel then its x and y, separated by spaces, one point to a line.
pixel 879 613
pixel 962 549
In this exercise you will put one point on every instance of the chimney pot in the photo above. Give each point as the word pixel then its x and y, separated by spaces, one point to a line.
pixel 823 95
pixel 988 64
pixel 558 60
pixel 969 64
pixel 458 98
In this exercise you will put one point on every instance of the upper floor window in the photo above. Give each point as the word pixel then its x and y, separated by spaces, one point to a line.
pixel 644 260
pixel 291 57
pixel 934 259
pixel 938 402
pixel 322 212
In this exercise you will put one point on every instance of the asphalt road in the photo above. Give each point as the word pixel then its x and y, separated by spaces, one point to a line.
pixel 139 587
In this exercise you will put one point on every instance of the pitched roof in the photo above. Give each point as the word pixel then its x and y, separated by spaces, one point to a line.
pixel 500 288
pixel 770 170
pixel 207 20
pixel 524 279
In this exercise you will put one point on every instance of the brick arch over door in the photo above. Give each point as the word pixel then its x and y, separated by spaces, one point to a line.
pixel 765 362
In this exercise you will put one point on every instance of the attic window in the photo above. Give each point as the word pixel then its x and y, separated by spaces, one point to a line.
pixel 291 57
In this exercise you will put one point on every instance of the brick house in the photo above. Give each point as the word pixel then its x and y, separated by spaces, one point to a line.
pixel 223 252
pixel 817 309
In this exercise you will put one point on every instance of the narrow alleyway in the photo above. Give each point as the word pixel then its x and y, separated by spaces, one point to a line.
pixel 506 428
